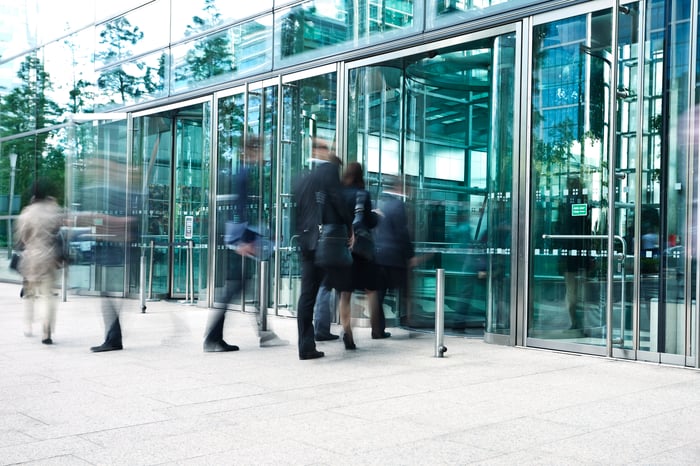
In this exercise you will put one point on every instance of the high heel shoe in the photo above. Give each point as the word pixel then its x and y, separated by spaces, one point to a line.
pixel 349 343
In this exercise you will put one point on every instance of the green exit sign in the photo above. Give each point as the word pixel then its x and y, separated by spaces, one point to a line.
pixel 579 210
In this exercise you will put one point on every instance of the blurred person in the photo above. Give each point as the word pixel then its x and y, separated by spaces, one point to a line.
pixel 364 273
pixel 322 182
pixel 395 253
pixel 322 314
pixel 576 263
pixel 241 241
pixel 104 201
pixel 37 232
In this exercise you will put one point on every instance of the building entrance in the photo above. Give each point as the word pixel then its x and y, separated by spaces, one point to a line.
pixel 609 217
pixel 171 155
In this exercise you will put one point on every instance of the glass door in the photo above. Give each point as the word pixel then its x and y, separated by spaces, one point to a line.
pixel 608 221
pixel 171 173
pixel 308 111
pixel 190 213
pixel 245 189
pixel 570 210
pixel 435 119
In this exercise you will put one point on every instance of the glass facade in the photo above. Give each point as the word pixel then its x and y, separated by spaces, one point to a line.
pixel 547 153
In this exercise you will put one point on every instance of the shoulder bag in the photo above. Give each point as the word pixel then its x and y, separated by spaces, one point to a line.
pixel 363 245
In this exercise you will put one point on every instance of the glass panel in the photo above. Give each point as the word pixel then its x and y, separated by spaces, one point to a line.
pixel 190 208
pixel 238 51
pixel 664 164
pixel 132 34
pixel 443 12
pixel 309 107
pixel 261 130
pixel 432 119
pixel 69 64
pixel 37 157
pixel 27 103
pixel 245 188
pixel 18 28
pixel 231 130
pixel 324 27
pixel 108 9
pixel 152 161
pixel 100 201
pixel 571 85
pixel 132 82
pixel 56 18
pixel 194 17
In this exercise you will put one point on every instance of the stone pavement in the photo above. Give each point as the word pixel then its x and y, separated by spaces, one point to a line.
pixel 163 401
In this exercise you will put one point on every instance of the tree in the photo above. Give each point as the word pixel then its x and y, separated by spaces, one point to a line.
pixel 27 107
pixel 118 36
pixel 211 56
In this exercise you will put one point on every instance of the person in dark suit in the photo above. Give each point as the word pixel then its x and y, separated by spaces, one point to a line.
pixel 241 241
pixel 322 181
pixel 394 249
pixel 364 273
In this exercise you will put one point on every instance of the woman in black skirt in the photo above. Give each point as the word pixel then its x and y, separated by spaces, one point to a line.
pixel 364 274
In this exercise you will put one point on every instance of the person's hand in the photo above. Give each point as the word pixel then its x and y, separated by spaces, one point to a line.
pixel 351 240
pixel 246 249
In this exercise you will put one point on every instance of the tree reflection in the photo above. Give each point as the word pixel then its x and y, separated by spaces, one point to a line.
pixel 212 56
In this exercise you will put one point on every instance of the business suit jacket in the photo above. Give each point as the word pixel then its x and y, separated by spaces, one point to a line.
pixel 391 238
pixel 324 182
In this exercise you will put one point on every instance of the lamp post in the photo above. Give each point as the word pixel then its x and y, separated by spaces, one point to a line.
pixel 13 167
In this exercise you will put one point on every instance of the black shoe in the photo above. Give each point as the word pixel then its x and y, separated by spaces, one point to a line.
pixel 315 354
pixel 328 337
pixel 380 336
pixel 349 344
pixel 219 347
pixel 106 347
pixel 47 341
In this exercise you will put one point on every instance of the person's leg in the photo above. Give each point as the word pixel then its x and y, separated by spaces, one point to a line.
pixel 113 329
pixel 377 319
pixel 48 309
pixel 345 319
pixel 311 277
pixel 29 300
pixel 322 315
pixel 214 334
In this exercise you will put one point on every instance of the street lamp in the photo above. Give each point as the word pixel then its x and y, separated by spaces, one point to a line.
pixel 13 167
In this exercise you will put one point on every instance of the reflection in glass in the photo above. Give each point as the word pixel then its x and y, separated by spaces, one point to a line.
pixel 323 26
pixel 570 183
pixel 99 192
pixel 442 12
pixel 132 82
pixel 27 103
pixel 309 110
pixel 198 16
pixel 434 117
pixel 68 62
pixel 132 34
pixel 239 50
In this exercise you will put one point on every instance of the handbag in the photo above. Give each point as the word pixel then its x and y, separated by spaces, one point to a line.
pixel 363 246
pixel 14 261
pixel 332 246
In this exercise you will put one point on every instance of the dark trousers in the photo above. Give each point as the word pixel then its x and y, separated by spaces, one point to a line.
pixel 110 317
pixel 311 278
pixel 232 289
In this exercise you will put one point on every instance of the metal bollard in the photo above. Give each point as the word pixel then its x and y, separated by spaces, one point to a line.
pixel 263 295
pixel 142 281
pixel 440 348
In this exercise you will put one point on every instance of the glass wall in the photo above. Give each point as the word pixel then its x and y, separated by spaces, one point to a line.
pixel 245 190
pixel 433 120
pixel 101 202
pixel 323 27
